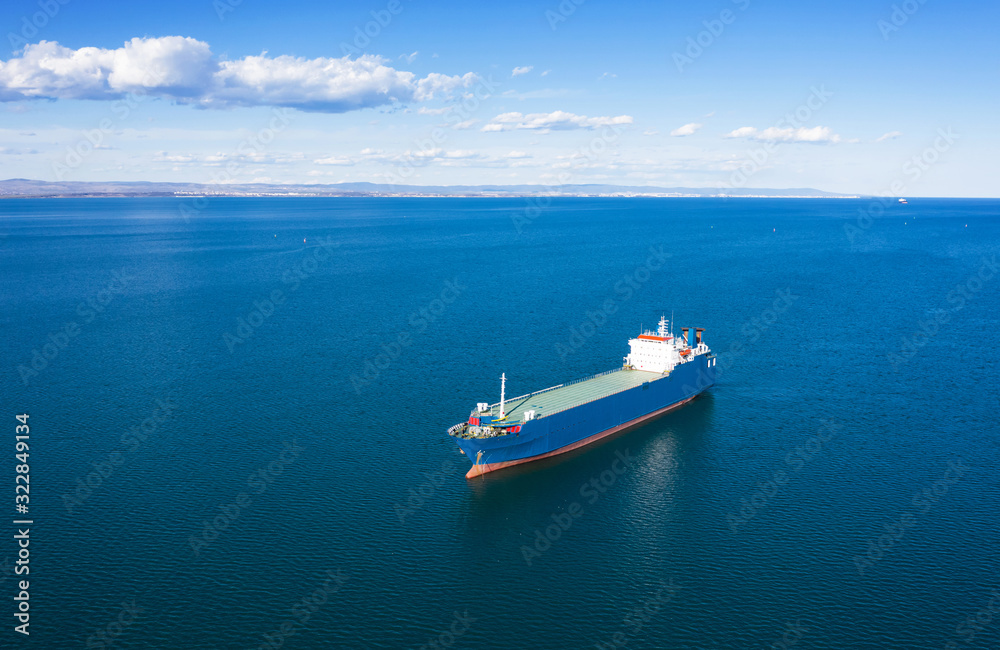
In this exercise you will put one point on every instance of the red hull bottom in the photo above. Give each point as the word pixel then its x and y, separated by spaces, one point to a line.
pixel 479 470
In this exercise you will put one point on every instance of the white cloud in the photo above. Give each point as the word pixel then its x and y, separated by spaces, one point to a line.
pixel 433 111
pixel 461 153
pixel 608 75
pixel 891 135
pixel 422 156
pixel 687 129
pixel 436 83
pixel 816 134
pixel 513 155
pixel 409 57
pixel 165 157
pixel 801 134
pixel 334 160
pixel 651 132
pixel 183 69
pixel 462 126
pixel 521 70
pixel 48 70
pixel 544 74
pixel 556 120
pixel 435 155
pixel 219 158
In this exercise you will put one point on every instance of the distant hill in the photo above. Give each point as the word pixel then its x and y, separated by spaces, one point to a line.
pixel 20 187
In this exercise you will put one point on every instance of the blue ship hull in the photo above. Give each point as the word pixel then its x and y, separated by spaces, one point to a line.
pixel 581 425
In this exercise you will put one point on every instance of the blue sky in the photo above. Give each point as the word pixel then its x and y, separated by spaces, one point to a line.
pixel 855 97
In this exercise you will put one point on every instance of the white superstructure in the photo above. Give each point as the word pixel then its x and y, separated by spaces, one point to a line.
pixel 661 351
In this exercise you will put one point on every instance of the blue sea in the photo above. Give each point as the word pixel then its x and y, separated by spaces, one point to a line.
pixel 238 406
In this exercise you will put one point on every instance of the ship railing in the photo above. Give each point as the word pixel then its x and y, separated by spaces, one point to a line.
pixel 600 374
pixel 569 383
pixel 526 395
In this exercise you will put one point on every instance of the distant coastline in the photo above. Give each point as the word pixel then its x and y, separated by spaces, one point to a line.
pixel 25 188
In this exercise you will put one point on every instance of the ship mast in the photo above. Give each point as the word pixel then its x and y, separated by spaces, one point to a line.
pixel 503 386
pixel 664 329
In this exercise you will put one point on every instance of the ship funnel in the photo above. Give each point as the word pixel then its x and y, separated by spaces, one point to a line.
pixel 684 334
pixel 697 335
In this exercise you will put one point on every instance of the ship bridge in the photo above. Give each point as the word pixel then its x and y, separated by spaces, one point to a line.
pixel 661 351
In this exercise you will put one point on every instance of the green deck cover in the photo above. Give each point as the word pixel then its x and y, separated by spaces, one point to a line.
pixel 565 397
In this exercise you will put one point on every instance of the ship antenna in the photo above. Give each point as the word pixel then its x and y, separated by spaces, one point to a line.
pixel 671 322
pixel 503 387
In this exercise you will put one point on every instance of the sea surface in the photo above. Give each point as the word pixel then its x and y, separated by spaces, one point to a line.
pixel 238 410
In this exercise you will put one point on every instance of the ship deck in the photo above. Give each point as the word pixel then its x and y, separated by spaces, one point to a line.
pixel 554 400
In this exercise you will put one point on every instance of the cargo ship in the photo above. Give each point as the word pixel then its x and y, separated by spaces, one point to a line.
pixel 661 372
